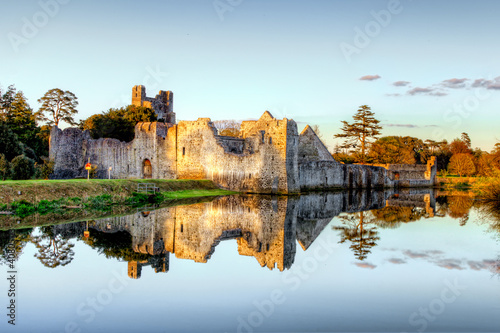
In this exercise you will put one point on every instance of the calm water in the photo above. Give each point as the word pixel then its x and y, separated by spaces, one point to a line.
pixel 343 262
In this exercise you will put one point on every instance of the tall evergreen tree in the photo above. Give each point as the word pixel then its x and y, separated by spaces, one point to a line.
pixel 58 105
pixel 6 99
pixel 363 129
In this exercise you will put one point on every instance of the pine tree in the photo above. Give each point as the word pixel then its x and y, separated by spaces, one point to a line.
pixel 364 128
pixel 59 105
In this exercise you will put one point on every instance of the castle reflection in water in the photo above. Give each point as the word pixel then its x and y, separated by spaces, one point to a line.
pixel 265 227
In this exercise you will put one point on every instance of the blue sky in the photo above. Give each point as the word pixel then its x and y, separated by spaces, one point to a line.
pixel 234 59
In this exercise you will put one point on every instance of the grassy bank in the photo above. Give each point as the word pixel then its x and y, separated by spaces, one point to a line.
pixel 34 191
pixel 460 183
pixel 488 189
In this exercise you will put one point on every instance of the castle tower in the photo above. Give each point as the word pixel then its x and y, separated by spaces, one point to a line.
pixel 138 95
pixel 162 104
pixel 134 270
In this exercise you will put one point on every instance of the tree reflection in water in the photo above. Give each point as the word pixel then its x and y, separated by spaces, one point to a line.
pixel 359 231
pixel 264 228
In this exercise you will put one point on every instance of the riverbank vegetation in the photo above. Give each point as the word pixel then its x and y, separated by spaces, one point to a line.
pixel 23 198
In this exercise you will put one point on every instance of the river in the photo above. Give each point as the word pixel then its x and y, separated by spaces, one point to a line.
pixel 361 261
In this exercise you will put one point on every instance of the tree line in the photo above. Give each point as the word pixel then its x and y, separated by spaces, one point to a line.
pixel 362 144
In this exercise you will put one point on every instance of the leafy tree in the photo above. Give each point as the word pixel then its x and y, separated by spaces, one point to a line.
pixel 364 128
pixel 138 114
pixel 4 166
pixel 9 143
pixel 117 123
pixel 487 165
pixel 462 164
pixel 59 106
pixel 22 168
pixel 458 146
pixel 398 150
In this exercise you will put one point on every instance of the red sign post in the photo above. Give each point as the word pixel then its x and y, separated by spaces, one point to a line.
pixel 88 166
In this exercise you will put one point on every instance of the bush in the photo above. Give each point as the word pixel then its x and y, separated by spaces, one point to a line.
pixel 22 168
pixel 46 169
pixel 46 206
pixel 22 208
pixel 137 199
pixel 25 210
pixel 101 202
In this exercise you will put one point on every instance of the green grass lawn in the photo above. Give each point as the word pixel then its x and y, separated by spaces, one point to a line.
pixel 36 190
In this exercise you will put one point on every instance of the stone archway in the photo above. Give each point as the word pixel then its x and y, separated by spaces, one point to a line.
pixel 147 169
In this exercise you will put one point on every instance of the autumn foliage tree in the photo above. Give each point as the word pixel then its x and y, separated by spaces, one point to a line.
pixel 462 165
pixel 361 131
pixel 398 150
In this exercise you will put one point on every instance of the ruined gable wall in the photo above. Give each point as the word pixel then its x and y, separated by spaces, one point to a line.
pixel 311 148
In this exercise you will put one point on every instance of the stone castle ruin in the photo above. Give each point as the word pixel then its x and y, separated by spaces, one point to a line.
pixel 269 156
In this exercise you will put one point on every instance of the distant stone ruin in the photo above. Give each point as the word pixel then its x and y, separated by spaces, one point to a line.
pixel 269 156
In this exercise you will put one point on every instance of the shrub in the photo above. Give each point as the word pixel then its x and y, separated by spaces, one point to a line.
pixel 45 206
pixel 22 167
pixel 137 199
pixel 101 202
pixel 24 210
pixel 46 169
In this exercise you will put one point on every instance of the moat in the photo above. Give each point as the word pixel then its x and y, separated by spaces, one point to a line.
pixel 355 261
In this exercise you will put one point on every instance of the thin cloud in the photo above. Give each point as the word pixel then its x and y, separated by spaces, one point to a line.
pixel 450 264
pixel 401 83
pixel 481 83
pixel 419 90
pixel 426 91
pixel 370 77
pixel 438 94
pixel 488 84
pixel 494 86
pixel 402 125
pixel 397 261
pixel 393 95
pixel 454 83
pixel 415 255
pixel 365 265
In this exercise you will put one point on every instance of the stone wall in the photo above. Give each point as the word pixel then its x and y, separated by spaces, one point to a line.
pixel 155 142
pixel 324 175
pixel 265 160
